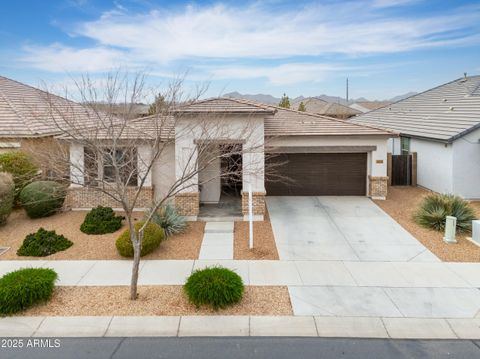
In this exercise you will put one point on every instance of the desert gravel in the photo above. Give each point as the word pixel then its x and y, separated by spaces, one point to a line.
pixel 401 204
pixel 263 241
pixel 155 300
pixel 182 246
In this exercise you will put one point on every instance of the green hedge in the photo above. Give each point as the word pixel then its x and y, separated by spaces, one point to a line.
pixel 153 236
pixel 43 243
pixel 101 220
pixel 20 166
pixel 23 288
pixel 7 195
pixel 42 198
pixel 217 287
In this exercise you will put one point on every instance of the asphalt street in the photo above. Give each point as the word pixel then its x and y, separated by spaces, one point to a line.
pixel 238 348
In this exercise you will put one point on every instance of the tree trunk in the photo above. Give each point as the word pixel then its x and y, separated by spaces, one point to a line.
pixel 136 265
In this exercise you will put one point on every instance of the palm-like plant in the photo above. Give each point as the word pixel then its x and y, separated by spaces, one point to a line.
pixel 436 207
pixel 170 220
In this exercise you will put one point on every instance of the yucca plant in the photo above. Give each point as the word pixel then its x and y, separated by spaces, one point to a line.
pixel 436 207
pixel 170 220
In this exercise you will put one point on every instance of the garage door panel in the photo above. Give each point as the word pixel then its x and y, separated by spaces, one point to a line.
pixel 319 174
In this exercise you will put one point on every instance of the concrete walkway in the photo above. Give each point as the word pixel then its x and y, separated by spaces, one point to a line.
pixel 217 241
pixel 171 326
pixel 323 288
pixel 340 228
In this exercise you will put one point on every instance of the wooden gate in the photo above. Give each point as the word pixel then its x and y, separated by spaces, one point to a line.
pixel 401 170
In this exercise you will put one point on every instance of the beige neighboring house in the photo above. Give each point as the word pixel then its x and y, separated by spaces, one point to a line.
pixel 366 106
pixel 27 121
pixel 319 155
pixel 325 108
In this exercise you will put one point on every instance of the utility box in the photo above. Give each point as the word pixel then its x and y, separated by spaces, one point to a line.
pixel 450 228
pixel 476 231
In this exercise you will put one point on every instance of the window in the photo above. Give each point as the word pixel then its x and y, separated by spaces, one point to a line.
pixel 91 164
pixel 123 161
pixel 404 145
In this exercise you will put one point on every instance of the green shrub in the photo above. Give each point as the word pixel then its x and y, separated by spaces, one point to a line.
pixel 168 218
pixel 23 288
pixel 152 237
pixel 436 207
pixel 7 195
pixel 215 286
pixel 101 220
pixel 43 243
pixel 42 198
pixel 20 166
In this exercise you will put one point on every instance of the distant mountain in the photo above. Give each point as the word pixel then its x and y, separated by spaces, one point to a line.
pixel 265 98
pixel 401 97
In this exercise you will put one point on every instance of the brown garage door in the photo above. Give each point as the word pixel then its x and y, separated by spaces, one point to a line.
pixel 318 174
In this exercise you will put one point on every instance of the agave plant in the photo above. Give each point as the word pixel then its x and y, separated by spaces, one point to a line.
pixel 436 207
pixel 170 220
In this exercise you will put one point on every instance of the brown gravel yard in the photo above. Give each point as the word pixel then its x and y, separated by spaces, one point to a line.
pixel 263 241
pixel 401 205
pixel 182 246
pixel 156 300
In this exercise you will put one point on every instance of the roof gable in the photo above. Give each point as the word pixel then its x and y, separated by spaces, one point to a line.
pixel 443 113
pixel 225 105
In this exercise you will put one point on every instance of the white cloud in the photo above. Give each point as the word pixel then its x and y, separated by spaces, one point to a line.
pixel 59 58
pixel 255 31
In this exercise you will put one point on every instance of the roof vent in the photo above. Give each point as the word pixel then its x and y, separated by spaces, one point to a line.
pixel 451 108
pixel 444 100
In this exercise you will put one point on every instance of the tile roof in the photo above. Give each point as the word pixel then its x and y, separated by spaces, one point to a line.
pixel 322 107
pixel 224 105
pixel 288 122
pixel 29 112
pixel 443 113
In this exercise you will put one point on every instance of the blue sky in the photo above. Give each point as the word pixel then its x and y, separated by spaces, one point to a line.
pixel 385 47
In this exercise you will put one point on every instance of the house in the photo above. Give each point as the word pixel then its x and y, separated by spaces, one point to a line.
pixel 442 125
pixel 317 155
pixel 324 108
pixel 366 106
pixel 26 117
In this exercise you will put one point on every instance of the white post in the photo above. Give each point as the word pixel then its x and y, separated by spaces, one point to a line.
pixel 250 216
pixel 450 227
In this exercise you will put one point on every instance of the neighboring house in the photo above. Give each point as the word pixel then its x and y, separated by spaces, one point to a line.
pixel 319 155
pixel 366 106
pixel 128 110
pixel 442 125
pixel 324 108
pixel 27 120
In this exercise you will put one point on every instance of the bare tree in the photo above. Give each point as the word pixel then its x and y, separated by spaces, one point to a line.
pixel 115 155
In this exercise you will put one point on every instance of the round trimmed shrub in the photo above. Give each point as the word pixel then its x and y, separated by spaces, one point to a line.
pixel 152 237
pixel 101 220
pixel 23 288
pixel 43 243
pixel 42 198
pixel 20 166
pixel 436 207
pixel 217 287
pixel 7 195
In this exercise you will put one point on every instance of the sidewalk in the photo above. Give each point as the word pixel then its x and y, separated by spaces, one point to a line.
pixel 265 272
pixel 304 326
pixel 316 288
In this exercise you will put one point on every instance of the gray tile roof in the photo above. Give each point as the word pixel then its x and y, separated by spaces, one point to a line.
pixel 225 105
pixel 443 113
pixel 288 122
pixel 29 112
pixel 325 108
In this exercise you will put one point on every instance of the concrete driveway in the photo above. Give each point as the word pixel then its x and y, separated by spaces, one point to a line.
pixel 340 228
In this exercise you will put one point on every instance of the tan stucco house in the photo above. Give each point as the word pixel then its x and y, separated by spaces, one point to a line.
pixel 319 155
